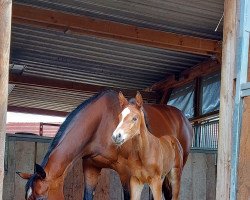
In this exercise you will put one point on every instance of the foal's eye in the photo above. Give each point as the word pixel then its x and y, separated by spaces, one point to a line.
pixel 134 119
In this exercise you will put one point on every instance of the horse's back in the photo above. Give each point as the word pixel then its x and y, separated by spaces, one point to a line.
pixel 168 120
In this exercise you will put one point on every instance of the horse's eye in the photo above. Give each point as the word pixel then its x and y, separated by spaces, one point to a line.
pixel 134 119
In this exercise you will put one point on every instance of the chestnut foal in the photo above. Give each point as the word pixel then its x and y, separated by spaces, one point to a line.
pixel 151 159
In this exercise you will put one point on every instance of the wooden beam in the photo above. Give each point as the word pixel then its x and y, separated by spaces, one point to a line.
pixel 5 31
pixel 227 95
pixel 23 14
pixel 38 111
pixel 187 76
pixel 73 86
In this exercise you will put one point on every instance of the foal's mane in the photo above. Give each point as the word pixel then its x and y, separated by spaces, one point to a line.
pixel 60 133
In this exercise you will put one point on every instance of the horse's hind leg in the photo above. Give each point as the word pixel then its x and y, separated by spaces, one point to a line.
pixel 91 175
pixel 175 181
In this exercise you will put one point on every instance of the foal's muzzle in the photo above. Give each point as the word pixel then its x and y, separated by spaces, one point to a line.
pixel 117 138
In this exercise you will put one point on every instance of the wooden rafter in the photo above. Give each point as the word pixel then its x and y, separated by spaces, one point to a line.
pixel 36 111
pixel 187 76
pixel 73 86
pixel 23 14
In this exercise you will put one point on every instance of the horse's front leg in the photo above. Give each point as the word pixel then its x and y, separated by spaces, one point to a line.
pixel 156 188
pixel 135 188
pixel 91 175
pixel 175 181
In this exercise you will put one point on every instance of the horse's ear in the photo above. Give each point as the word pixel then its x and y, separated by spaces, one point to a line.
pixel 24 175
pixel 123 101
pixel 139 100
pixel 40 171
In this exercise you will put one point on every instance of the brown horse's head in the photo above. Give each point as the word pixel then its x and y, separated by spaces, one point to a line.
pixel 129 120
pixel 37 186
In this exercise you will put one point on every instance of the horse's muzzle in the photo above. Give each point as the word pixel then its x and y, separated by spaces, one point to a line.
pixel 117 138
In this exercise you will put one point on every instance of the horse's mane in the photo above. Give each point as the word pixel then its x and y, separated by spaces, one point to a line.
pixel 133 102
pixel 60 133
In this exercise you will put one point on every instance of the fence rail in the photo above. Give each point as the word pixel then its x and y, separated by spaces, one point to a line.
pixel 206 135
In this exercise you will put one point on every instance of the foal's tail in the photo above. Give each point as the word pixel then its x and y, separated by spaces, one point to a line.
pixel 166 189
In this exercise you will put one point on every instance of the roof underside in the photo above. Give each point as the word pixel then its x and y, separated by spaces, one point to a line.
pixel 96 61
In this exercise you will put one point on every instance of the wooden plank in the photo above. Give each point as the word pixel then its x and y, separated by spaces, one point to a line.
pixel 187 180
pixel 37 111
pixel 145 195
pixel 72 86
pixel 23 14
pixel 24 153
pixel 42 148
pixel 202 69
pixel 78 180
pixel 10 174
pixel 103 187
pixel 226 102
pixel 5 31
pixel 210 176
pixel 244 159
pixel 199 170
pixel 68 185
pixel 115 186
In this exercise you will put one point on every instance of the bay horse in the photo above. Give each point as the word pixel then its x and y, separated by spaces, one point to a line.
pixel 86 133
pixel 151 159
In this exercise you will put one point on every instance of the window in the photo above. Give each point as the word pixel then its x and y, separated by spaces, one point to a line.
pixel 210 93
pixel 183 99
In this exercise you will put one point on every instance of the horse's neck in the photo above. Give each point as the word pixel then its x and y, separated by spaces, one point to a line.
pixel 75 141
pixel 141 142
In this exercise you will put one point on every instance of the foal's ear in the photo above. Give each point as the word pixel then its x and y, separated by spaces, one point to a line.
pixel 123 101
pixel 139 100
pixel 24 175
pixel 40 171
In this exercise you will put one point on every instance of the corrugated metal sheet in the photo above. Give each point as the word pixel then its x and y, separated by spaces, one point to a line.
pixel 87 59
pixel 44 98
pixel 92 60
pixel 192 17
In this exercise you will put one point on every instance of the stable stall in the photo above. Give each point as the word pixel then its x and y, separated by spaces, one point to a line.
pixel 192 55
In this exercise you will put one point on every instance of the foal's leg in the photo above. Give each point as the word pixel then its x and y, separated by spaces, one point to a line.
pixel 156 188
pixel 135 188
pixel 91 175
pixel 175 181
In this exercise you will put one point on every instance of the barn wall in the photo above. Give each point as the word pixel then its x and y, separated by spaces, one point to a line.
pixel 198 180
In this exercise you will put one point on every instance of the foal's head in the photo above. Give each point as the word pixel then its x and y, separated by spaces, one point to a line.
pixel 37 186
pixel 129 120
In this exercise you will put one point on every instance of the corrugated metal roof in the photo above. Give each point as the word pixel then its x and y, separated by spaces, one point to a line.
pixel 92 60
pixel 47 99
pixel 195 17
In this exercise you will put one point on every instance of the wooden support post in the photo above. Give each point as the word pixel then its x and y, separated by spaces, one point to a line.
pixel 5 30
pixel 226 102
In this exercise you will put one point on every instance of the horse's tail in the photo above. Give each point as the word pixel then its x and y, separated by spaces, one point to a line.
pixel 166 189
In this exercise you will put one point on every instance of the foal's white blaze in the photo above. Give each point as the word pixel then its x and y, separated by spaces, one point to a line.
pixel 29 193
pixel 118 129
